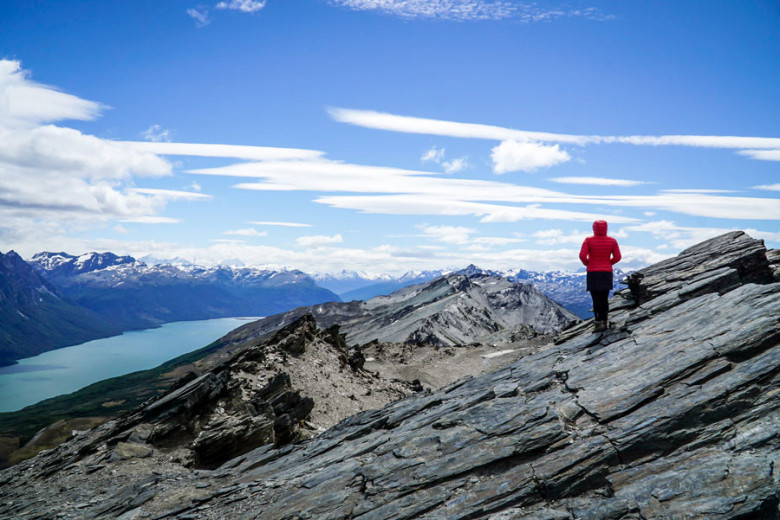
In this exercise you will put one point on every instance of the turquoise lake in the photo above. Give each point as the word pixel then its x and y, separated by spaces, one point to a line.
pixel 66 370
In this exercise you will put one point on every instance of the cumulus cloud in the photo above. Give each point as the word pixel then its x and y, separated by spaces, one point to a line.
pixel 436 155
pixel 527 156
pixel 315 241
pixel 433 155
pixel 59 175
pixel 455 165
pixel 597 181
pixel 245 6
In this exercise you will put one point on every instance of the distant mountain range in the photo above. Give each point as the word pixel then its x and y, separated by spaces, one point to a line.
pixel 135 295
pixel 61 299
pixel 36 317
pixel 58 299
pixel 564 287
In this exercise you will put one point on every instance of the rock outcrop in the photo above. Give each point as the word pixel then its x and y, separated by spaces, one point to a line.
pixel 457 309
pixel 674 412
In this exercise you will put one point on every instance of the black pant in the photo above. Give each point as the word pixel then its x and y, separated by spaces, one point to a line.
pixel 600 304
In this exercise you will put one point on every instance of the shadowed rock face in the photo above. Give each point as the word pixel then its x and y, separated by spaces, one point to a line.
pixel 672 413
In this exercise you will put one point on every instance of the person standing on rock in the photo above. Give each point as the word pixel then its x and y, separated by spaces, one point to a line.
pixel 599 253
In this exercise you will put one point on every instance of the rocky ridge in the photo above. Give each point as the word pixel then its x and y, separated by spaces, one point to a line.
pixel 671 413
pixel 456 309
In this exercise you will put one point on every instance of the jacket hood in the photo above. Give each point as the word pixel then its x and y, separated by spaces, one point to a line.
pixel 600 228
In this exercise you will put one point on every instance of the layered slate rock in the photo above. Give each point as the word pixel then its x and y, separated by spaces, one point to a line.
pixel 471 306
pixel 672 413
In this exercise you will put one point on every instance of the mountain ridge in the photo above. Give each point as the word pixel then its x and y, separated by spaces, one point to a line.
pixel 36 317
pixel 135 295
pixel 671 413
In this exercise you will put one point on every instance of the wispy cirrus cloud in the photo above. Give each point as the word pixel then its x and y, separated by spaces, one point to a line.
pixel 282 224
pixel 597 181
pixel 246 232
pixel 170 194
pixel 768 187
pixel 762 148
pixel 156 134
pixel 470 10
pixel 201 16
pixel 684 236
pixel 317 241
pixel 245 6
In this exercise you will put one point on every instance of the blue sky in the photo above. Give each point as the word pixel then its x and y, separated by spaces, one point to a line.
pixel 387 135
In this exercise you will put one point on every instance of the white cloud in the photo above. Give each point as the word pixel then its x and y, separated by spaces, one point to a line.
pixel 436 155
pixel 446 196
pixel 315 241
pixel 201 17
pixel 152 220
pixel 557 236
pixel 764 148
pixel 768 187
pixel 432 205
pixel 56 178
pixel 468 10
pixel 156 134
pixel 283 224
pixel 455 165
pixel 596 181
pixel 511 156
pixel 170 194
pixel 252 153
pixel 681 236
pixel 247 232
pixel 762 155
pixel 26 104
pixel 245 6
pixel 447 234
pixel 694 190
pixel 418 125
pixel 433 155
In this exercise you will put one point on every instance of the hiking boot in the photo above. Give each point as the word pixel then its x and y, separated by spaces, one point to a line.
pixel 600 326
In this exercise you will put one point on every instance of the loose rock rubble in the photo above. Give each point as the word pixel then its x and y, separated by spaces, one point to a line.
pixel 673 412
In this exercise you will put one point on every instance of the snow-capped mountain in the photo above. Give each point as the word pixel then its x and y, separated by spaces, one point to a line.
pixel 345 280
pixel 564 287
pixel 35 317
pixel 134 294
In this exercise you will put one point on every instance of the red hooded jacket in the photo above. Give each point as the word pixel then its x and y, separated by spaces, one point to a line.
pixel 599 252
